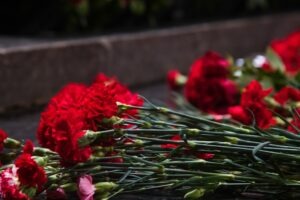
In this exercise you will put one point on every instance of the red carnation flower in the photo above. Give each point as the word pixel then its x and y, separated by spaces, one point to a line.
pixel 99 103
pixel 68 98
pixel 211 65
pixel 3 136
pixel 287 94
pixel 207 86
pixel 121 93
pixel 65 134
pixel 288 49
pixel 9 186
pixel 28 147
pixel 213 95
pixel 240 114
pixel 254 93
pixel 29 172
pixel 252 107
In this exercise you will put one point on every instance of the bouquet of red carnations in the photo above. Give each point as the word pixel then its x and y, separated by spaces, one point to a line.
pixel 227 132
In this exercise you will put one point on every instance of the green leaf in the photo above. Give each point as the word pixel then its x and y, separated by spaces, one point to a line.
pixel 29 191
pixel 275 60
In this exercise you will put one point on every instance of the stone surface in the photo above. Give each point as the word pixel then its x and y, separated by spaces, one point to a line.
pixel 31 72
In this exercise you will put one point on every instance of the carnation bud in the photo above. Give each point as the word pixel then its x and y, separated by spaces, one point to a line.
pixel 112 120
pixel 88 138
pixel 12 143
pixel 42 161
pixel 195 194
pixel 103 187
pixel 175 79
pixel 39 151
pixel 69 187
pixel 232 140
pixel 138 142
pixel 193 132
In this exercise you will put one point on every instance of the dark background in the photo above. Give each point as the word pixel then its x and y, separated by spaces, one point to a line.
pixel 65 17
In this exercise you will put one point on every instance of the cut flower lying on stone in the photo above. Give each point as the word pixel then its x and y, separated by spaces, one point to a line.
pixel 103 140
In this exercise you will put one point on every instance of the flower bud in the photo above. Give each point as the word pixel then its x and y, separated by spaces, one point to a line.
pixel 88 138
pixel 232 140
pixel 12 143
pixel 69 187
pixel 39 151
pixel 195 194
pixel 42 161
pixel 103 187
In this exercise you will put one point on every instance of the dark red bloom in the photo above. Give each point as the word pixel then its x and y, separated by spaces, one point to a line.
pixel 240 114
pixel 99 103
pixel 287 94
pixel 254 93
pixel 3 136
pixel 66 99
pixel 205 156
pixel 28 147
pixel 66 133
pixel 211 65
pixel 63 122
pixel 252 107
pixel 207 86
pixel 77 108
pixel 213 95
pixel 29 172
pixel 288 49
pixel 56 194
pixel 121 93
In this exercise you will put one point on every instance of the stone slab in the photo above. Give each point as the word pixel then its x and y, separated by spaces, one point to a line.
pixel 31 72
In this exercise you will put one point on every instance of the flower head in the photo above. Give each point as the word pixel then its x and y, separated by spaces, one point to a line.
pixel 29 172
pixel 252 107
pixel 288 49
pixel 287 94
pixel 207 86
pixel 9 185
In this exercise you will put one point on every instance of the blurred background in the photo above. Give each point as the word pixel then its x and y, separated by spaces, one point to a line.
pixel 64 17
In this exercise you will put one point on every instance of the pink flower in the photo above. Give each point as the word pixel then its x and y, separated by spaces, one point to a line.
pixel 86 189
